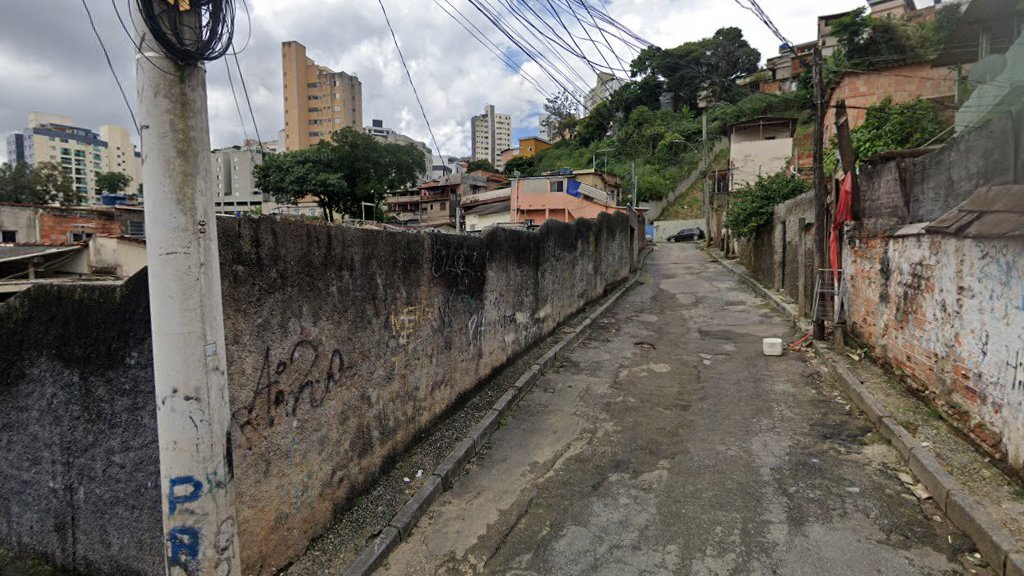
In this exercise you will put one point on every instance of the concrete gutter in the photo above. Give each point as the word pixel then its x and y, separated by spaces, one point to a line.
pixel 444 476
pixel 1003 553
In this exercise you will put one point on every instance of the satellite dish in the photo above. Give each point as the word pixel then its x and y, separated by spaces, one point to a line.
pixel 987 70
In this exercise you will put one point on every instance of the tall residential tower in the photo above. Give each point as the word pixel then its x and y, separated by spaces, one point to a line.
pixel 492 134
pixel 317 100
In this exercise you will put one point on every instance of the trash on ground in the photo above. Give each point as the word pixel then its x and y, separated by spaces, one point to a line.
pixel 419 474
pixel 772 346
pixel 921 492
pixel 906 478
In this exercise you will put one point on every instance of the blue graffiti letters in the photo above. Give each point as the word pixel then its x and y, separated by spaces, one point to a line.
pixel 182 490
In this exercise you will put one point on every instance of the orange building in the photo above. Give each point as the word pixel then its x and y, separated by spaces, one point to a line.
pixel 317 100
pixel 528 147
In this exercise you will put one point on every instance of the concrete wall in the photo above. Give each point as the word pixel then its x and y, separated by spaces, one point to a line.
pixel 21 220
pixel 342 345
pixel 116 256
pixel 665 228
pixel 750 159
pixel 949 312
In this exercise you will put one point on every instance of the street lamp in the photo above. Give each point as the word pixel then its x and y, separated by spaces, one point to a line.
pixel 372 205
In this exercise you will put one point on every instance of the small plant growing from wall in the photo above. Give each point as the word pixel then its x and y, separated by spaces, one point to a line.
pixel 750 206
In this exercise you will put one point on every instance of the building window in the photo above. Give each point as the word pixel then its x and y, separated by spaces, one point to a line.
pixel 9 236
pixel 557 186
pixel 76 237
pixel 136 228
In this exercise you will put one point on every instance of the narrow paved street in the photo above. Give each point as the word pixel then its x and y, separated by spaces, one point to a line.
pixel 666 443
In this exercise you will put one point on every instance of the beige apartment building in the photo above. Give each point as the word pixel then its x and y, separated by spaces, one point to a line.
pixel 492 134
pixel 81 152
pixel 317 100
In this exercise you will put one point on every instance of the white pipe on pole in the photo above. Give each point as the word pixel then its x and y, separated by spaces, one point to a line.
pixel 189 367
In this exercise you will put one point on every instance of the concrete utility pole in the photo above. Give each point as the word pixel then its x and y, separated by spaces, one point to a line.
pixel 634 184
pixel 819 185
pixel 707 193
pixel 193 416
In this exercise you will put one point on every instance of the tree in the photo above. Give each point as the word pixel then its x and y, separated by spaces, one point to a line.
pixel 43 183
pixel 562 114
pixel 751 206
pixel 480 165
pixel 341 173
pixel 526 166
pixel 56 185
pixel 112 182
pixel 709 66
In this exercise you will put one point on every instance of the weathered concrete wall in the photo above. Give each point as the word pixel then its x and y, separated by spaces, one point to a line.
pixel 949 312
pixel 790 240
pixel 342 343
pixel 81 480
pixel 946 310
pixel 665 228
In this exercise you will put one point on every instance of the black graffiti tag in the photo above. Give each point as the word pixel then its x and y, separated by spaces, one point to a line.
pixel 285 387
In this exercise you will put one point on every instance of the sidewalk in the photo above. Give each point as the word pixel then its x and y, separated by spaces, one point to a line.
pixel 999 495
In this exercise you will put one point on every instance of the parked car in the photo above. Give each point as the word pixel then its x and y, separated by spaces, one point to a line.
pixel 687 234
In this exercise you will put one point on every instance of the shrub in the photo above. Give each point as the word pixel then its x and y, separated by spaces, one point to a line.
pixel 750 207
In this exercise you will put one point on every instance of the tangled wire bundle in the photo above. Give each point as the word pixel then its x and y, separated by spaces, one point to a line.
pixel 190 31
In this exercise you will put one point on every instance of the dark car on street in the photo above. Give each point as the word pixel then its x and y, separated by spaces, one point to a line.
pixel 687 234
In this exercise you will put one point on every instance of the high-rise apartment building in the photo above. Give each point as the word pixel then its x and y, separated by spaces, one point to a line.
pixel 492 133
pixel 81 152
pixel 233 182
pixel 317 100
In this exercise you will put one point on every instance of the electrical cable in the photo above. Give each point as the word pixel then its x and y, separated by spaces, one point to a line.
pixel 131 38
pixel 234 96
pixel 110 65
pixel 248 103
pixel 409 76
pixel 208 39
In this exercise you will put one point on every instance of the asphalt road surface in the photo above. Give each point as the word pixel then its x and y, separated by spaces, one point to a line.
pixel 666 443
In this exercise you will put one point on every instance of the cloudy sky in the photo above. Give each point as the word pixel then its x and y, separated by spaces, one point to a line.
pixel 51 62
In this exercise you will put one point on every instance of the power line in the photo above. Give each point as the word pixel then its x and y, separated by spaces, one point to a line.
pixel 248 103
pixel 409 76
pixel 112 71
pixel 231 83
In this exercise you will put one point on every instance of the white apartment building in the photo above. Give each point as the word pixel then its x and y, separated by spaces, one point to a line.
pixel 233 182
pixel 492 134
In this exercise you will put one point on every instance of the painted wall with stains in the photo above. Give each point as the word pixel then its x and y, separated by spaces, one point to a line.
pixel 342 345
pixel 949 312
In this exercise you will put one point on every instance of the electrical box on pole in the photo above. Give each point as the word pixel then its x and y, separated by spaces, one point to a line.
pixel 189 366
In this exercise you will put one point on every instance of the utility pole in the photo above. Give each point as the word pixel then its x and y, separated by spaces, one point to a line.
pixel 634 185
pixel 819 186
pixel 704 160
pixel 189 366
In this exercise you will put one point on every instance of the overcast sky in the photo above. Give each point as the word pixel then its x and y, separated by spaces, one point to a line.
pixel 51 62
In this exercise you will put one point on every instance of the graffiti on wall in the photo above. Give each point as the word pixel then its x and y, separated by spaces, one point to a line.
pixel 184 539
pixel 300 380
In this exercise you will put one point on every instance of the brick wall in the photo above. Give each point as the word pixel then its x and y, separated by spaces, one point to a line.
pixel 948 312
pixel 901 84
pixel 56 225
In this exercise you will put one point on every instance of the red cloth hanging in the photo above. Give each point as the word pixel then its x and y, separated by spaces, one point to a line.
pixel 842 215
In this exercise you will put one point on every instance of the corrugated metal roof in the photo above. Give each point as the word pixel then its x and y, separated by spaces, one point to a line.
pixel 991 212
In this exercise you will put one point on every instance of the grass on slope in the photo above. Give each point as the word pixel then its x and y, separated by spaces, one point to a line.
pixel 689 204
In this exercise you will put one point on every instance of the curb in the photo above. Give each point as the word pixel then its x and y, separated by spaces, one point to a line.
pixel 443 477
pixel 1004 554
pixel 776 300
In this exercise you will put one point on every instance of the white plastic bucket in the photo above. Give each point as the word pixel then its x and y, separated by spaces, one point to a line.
pixel 772 346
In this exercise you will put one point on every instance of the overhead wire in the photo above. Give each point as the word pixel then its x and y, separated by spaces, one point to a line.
pixel 409 76
pixel 110 65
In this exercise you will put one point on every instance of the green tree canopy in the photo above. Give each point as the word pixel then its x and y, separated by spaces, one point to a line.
pixel 112 182
pixel 711 65
pixel 751 206
pixel 341 173
pixel 480 165
pixel 562 114
pixel 526 166
pixel 43 183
